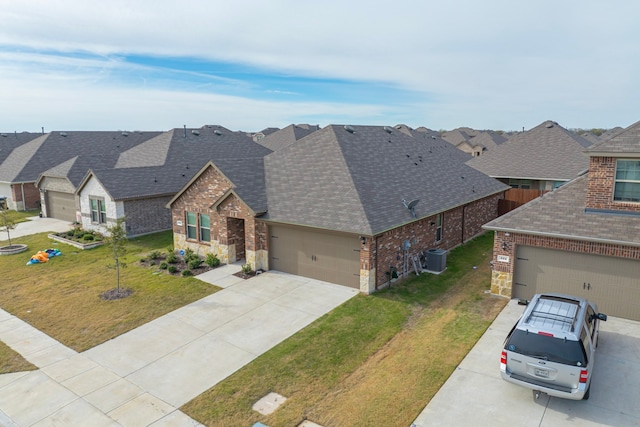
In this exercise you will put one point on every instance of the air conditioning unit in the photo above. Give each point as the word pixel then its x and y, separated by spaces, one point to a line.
pixel 436 260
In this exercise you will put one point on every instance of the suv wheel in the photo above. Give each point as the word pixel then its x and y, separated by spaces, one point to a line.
pixel 586 395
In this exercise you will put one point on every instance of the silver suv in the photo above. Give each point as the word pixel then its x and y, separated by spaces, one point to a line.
pixel 552 347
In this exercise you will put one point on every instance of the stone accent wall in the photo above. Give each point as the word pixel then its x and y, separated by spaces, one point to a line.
pixel 144 216
pixel 600 186
pixel 506 244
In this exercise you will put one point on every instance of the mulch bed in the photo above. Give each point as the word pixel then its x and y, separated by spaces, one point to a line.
pixel 115 294
pixel 180 265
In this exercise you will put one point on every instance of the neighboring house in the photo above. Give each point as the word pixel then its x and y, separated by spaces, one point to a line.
pixel 16 149
pixel 77 153
pixel 334 206
pixel 148 175
pixel 463 139
pixel 583 238
pixel 288 135
pixel 542 158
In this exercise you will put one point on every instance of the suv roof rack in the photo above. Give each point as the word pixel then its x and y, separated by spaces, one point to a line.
pixel 553 312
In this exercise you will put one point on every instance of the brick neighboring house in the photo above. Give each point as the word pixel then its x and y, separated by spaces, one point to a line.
pixel 16 150
pixel 330 206
pixel 581 239
pixel 542 158
pixel 146 177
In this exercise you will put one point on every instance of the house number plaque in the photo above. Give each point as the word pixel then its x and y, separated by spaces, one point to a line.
pixel 503 258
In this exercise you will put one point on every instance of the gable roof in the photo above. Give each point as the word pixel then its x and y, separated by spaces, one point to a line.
pixel 625 143
pixel 355 181
pixel 546 152
pixel 561 213
pixel 9 141
pixel 288 135
pixel 18 157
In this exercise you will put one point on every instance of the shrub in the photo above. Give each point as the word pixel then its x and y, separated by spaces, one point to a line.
pixel 172 269
pixel 88 237
pixel 98 238
pixel 152 262
pixel 172 258
pixel 195 263
pixel 163 266
pixel 78 234
pixel 186 273
pixel 70 233
pixel 189 255
pixel 143 260
pixel 155 255
pixel 246 268
pixel 212 260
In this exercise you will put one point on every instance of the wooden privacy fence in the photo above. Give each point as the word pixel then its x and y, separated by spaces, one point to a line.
pixel 516 197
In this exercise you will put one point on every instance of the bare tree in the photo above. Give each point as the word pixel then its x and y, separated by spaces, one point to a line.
pixel 7 222
pixel 117 239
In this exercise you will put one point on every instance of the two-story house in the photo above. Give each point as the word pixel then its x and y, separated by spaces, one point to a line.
pixel 583 238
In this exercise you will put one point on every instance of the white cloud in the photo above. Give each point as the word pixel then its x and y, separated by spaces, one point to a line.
pixel 500 64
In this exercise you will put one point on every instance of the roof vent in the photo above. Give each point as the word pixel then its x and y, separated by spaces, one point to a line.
pixel 125 133
pixel 549 125
pixel 349 129
pixel 387 129
pixel 195 132
pixel 217 132
pixel 63 134
pixel 433 137
pixel 4 135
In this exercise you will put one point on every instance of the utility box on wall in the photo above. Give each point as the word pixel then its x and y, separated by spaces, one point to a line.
pixel 436 260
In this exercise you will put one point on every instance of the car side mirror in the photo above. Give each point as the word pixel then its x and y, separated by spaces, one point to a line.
pixel 602 316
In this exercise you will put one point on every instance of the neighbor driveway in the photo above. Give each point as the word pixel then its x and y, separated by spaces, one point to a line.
pixel 142 377
pixel 475 394
pixel 37 225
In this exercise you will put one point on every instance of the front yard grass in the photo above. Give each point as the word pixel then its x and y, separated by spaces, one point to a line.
pixel 375 360
pixel 62 297
pixel 10 361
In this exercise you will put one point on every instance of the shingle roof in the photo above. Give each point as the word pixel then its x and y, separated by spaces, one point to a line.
pixel 93 149
pixel 17 159
pixel 355 182
pixel 247 176
pixel 561 213
pixel 625 142
pixel 180 153
pixel 290 134
pixel 9 141
pixel 546 152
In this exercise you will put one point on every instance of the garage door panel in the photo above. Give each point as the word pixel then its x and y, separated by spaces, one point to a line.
pixel 324 256
pixel 61 205
pixel 613 283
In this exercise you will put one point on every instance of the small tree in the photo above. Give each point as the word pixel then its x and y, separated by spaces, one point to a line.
pixel 117 240
pixel 7 222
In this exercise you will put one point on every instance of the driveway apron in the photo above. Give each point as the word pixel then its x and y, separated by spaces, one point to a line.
pixel 143 376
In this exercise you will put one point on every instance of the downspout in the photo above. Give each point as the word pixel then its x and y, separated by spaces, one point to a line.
pixel 462 237
pixel 24 202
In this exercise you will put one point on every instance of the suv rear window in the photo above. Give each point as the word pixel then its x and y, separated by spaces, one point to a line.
pixel 547 348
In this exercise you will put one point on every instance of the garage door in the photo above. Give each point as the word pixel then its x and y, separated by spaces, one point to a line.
pixel 329 257
pixel 612 283
pixel 61 205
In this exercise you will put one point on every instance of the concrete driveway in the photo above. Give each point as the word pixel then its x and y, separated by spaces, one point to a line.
pixel 142 377
pixel 475 394
pixel 37 225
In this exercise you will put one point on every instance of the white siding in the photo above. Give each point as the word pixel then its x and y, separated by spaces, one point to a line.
pixel 93 188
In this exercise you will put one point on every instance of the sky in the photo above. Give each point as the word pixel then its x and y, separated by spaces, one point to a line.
pixel 252 64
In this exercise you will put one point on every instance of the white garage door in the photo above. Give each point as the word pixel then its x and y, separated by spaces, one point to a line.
pixel 612 283
pixel 329 257
pixel 61 205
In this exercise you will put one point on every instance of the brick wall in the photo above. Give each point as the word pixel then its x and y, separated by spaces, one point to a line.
pixel 600 186
pixel 31 196
pixel 503 271
pixel 145 216
pixel 387 250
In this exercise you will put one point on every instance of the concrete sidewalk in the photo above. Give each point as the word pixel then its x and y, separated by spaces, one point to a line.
pixel 476 395
pixel 140 378
pixel 37 225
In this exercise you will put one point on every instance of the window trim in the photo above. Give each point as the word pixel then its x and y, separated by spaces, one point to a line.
pixel 189 226
pixel 439 222
pixel 100 210
pixel 201 228
pixel 624 181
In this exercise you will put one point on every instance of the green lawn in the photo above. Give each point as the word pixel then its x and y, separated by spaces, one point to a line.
pixel 375 360
pixel 10 361
pixel 61 297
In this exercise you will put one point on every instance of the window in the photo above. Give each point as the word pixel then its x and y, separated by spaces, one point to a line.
pixel 627 184
pixel 520 183
pixel 205 228
pixel 438 227
pixel 191 226
pixel 98 211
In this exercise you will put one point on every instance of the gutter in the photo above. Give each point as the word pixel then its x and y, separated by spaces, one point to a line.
pixel 563 236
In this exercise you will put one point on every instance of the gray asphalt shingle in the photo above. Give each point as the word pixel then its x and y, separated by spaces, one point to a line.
pixel 354 182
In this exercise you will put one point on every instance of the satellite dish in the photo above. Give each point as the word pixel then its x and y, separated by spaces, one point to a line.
pixel 411 206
